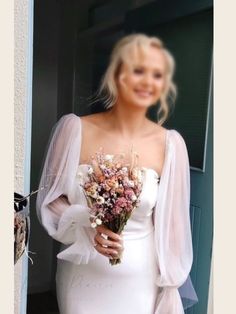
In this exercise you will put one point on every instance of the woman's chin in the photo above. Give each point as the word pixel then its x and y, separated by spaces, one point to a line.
pixel 142 104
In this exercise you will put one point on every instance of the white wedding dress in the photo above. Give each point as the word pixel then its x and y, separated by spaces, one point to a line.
pixel 157 255
pixel 126 288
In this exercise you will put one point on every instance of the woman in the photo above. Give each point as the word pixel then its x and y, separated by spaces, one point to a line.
pixel 156 243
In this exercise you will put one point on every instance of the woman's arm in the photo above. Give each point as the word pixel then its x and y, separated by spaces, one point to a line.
pixel 172 227
pixel 65 222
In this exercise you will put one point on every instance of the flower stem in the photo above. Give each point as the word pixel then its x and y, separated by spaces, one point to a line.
pixel 115 261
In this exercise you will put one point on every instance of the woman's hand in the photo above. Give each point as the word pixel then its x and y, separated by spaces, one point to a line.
pixel 108 243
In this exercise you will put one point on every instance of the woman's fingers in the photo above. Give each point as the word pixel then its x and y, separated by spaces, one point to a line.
pixel 112 235
pixel 108 252
pixel 101 239
pixel 108 243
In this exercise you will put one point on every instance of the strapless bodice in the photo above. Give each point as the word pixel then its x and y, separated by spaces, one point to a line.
pixel 140 223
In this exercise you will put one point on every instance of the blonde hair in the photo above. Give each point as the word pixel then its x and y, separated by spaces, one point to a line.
pixel 108 88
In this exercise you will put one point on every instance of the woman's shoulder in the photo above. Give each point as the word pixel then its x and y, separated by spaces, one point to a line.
pixel 176 140
pixel 95 123
pixel 68 125
pixel 176 137
pixel 68 118
pixel 94 118
pixel 171 136
pixel 74 120
pixel 158 131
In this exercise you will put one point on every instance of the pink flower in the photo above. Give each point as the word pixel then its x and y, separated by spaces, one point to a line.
pixel 116 210
pixel 129 193
pixel 129 206
pixel 121 202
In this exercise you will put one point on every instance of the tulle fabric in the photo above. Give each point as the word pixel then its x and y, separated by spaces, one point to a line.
pixel 66 223
pixel 69 223
pixel 173 230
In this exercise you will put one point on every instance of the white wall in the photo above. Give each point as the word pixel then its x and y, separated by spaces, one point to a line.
pixel 23 24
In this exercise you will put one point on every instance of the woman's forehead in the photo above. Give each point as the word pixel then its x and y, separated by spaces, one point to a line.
pixel 146 56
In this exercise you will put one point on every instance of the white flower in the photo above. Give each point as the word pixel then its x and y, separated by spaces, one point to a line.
pixel 103 167
pixel 81 178
pixel 108 157
pixel 98 221
pixel 79 175
pixel 93 195
pixel 100 200
pixel 93 225
pixel 125 179
pixel 133 198
pixel 124 169
pixel 131 183
pixel 90 170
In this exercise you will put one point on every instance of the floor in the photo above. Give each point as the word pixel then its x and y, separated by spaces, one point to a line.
pixel 42 303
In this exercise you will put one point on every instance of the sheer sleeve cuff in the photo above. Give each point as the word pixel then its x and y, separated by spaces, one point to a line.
pixel 169 301
pixel 63 229
pixel 74 216
pixel 74 231
pixel 81 251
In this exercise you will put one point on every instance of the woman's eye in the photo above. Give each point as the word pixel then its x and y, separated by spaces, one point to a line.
pixel 158 75
pixel 138 71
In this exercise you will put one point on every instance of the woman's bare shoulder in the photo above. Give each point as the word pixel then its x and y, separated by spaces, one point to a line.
pixel 157 130
pixel 94 118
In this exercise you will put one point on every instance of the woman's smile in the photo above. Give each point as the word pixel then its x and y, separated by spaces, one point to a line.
pixel 141 82
pixel 143 93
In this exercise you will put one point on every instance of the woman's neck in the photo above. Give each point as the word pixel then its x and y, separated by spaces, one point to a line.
pixel 129 124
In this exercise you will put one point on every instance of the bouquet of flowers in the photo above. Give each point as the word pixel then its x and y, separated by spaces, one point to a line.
pixel 112 191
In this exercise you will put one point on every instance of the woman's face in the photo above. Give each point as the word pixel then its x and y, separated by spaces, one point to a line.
pixel 141 81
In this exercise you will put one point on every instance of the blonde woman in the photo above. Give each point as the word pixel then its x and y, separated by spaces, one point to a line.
pixel 156 243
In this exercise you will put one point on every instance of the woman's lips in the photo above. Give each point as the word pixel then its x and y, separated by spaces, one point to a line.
pixel 143 93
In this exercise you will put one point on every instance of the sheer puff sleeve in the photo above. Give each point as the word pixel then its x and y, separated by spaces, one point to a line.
pixel 173 238
pixel 65 222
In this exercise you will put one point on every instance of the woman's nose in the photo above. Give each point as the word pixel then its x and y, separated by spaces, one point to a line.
pixel 147 80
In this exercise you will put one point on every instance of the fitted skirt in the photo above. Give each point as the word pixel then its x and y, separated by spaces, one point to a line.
pixel 100 288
